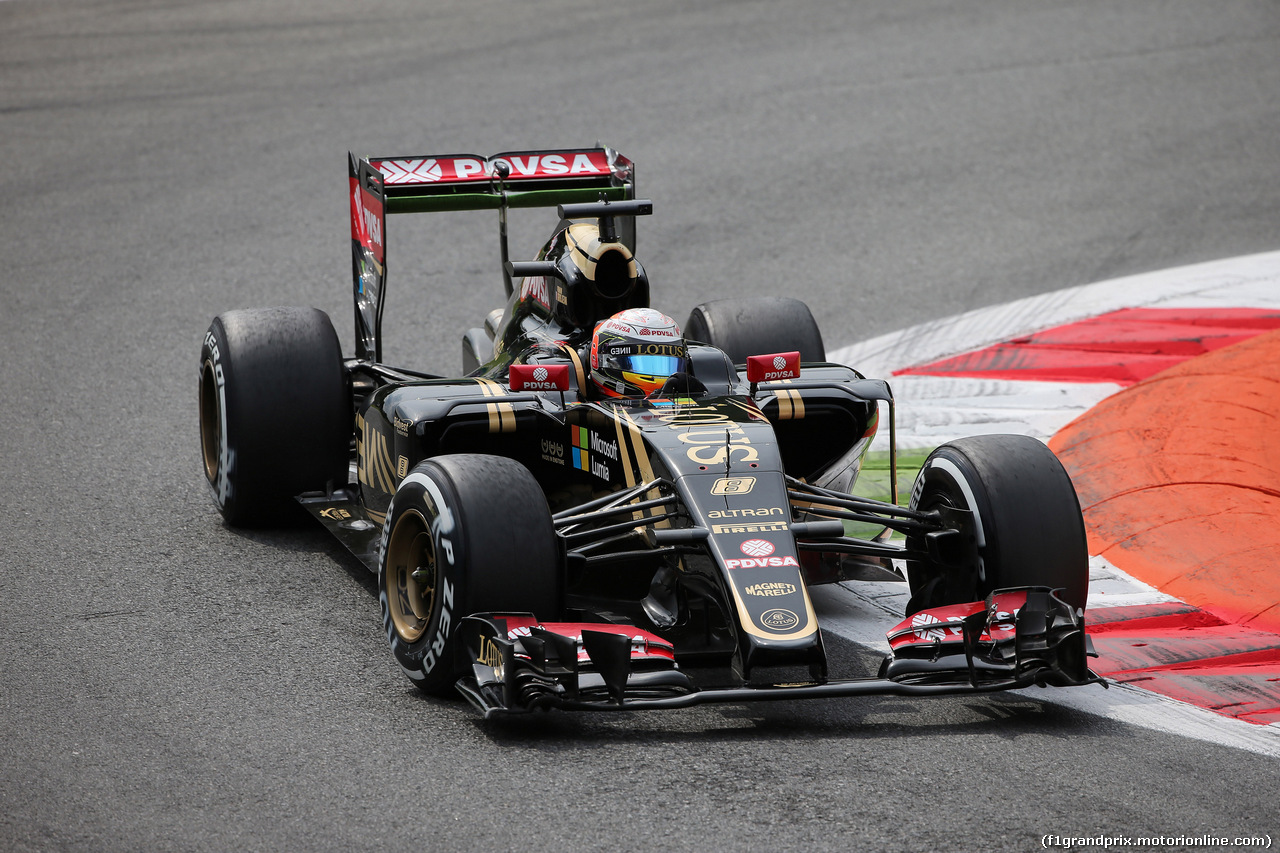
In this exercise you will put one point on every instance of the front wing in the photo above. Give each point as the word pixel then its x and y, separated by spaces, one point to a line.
pixel 1016 638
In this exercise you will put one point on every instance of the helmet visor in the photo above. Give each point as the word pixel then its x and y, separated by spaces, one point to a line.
pixel 651 365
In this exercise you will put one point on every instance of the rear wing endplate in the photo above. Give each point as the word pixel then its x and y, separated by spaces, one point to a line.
pixel 516 179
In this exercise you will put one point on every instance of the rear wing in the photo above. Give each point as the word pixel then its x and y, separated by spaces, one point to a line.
pixel 515 179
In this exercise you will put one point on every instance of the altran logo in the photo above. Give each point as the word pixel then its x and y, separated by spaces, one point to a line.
pixel 757 547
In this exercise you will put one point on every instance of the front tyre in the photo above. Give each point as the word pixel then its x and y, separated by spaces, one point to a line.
pixel 464 534
pixel 275 412
pixel 1023 525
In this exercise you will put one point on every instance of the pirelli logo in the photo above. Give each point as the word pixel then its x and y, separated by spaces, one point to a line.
pixel 749 527
pixel 502 416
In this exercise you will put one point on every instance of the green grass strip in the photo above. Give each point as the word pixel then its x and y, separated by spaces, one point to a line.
pixel 873 482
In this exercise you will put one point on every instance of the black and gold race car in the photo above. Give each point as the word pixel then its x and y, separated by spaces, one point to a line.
pixel 550 534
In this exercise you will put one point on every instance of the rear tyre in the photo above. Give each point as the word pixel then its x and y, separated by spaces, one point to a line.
pixel 1025 527
pixel 275 412
pixel 758 325
pixel 464 534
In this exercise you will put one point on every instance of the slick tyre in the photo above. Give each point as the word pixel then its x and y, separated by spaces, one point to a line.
pixel 1023 526
pixel 275 412
pixel 464 534
pixel 746 326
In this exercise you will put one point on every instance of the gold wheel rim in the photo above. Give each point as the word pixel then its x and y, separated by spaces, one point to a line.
pixel 410 575
pixel 210 421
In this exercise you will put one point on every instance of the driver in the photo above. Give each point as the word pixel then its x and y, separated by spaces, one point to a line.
pixel 634 352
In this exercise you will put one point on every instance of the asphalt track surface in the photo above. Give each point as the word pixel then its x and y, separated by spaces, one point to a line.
pixel 169 683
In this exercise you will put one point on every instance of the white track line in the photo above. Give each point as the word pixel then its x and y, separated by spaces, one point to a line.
pixel 1248 282
pixel 933 410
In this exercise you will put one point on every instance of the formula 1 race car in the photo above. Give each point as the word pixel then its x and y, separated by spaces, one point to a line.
pixel 602 502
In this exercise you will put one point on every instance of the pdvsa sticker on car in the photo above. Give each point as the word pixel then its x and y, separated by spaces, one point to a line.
pixel 539 377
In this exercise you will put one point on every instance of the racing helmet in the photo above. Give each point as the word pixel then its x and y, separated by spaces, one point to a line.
pixel 635 351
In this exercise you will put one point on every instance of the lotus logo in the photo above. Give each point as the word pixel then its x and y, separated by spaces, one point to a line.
pixel 540 374
pixel 779 619
pixel 779 362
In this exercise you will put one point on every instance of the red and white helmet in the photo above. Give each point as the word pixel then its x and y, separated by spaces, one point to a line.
pixel 635 351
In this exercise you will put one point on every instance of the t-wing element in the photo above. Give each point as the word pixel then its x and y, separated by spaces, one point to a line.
pixel 606 211
pixel 588 272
